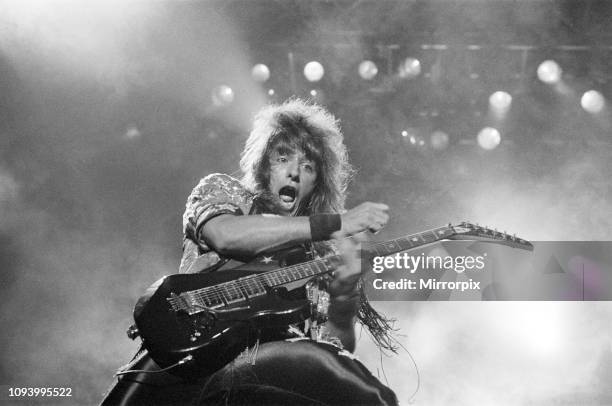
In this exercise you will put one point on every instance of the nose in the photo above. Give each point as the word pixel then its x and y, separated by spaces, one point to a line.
pixel 293 170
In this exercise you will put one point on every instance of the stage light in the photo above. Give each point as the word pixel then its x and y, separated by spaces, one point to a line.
pixel 549 72
pixel 439 140
pixel 489 138
pixel 132 132
pixel 271 92
pixel 410 68
pixel 410 134
pixel 260 73
pixel 592 101
pixel 367 70
pixel 317 95
pixel 500 101
pixel 222 95
pixel 313 71
pixel 413 138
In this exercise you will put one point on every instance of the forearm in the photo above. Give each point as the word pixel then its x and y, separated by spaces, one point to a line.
pixel 247 236
pixel 342 314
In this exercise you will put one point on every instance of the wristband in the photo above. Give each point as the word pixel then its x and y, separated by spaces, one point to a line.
pixel 322 226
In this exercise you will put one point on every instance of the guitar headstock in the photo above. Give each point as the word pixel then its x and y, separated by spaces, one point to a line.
pixel 469 231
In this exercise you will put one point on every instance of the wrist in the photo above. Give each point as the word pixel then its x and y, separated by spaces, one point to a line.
pixel 343 309
pixel 343 287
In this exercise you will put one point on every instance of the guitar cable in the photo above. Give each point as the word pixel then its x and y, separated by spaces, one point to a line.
pixel 186 359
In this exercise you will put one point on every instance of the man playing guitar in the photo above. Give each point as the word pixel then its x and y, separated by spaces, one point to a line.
pixel 292 193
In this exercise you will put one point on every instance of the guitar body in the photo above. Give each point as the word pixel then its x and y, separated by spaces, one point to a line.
pixel 172 328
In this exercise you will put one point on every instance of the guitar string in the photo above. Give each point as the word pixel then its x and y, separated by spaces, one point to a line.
pixel 235 290
pixel 251 285
pixel 218 292
pixel 279 276
pixel 231 292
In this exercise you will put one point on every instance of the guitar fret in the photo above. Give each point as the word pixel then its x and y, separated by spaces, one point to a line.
pixel 438 232
pixel 268 279
pixel 404 244
pixel 409 242
pixel 297 275
pixel 274 279
pixel 233 293
pixel 253 287
pixel 391 246
pixel 289 274
pixel 210 298
pixel 303 273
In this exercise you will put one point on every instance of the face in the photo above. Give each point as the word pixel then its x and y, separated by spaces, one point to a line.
pixel 292 179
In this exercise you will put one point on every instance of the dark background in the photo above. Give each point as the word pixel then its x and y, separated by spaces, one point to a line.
pixel 107 122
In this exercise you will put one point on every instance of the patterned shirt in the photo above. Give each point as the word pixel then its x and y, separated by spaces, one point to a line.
pixel 218 194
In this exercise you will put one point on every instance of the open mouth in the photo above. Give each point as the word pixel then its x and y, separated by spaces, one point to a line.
pixel 287 194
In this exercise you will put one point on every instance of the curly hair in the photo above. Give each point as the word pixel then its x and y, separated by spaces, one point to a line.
pixel 306 126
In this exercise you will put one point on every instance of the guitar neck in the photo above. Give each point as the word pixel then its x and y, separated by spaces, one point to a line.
pixel 258 284
pixel 408 242
pixel 327 264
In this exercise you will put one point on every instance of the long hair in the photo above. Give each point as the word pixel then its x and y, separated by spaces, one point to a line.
pixel 312 129
pixel 298 124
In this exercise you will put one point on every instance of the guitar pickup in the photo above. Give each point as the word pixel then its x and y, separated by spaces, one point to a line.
pixel 191 304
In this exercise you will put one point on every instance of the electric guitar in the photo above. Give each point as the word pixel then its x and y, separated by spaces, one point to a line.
pixel 204 320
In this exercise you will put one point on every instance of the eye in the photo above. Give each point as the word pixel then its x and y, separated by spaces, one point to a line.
pixel 282 159
pixel 309 168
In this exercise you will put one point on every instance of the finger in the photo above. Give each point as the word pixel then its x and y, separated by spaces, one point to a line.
pixel 380 206
pixel 381 218
pixel 359 238
pixel 373 205
pixel 375 228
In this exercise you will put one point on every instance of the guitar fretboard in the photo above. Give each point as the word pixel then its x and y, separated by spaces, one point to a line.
pixel 257 285
pixel 410 241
